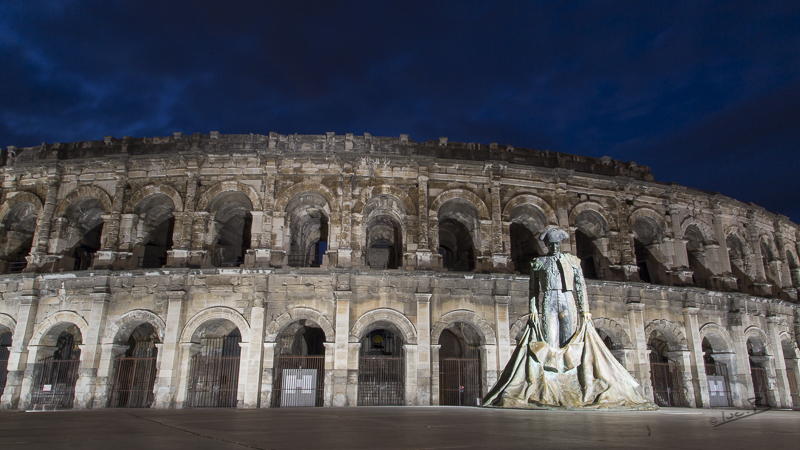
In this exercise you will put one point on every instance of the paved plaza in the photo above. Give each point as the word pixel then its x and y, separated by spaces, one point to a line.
pixel 389 428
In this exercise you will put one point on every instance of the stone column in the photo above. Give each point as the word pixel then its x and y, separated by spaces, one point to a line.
pixel 425 254
pixel 684 360
pixel 435 372
pixel 169 372
pixel 627 256
pixel 697 365
pixel 19 351
pixel 41 237
pixel 341 365
pixel 501 257
pixel 187 350
pixel 328 382
pixel 105 371
pixel 410 351
pixel 90 353
pixel 783 395
pixel 423 372
pixel 250 367
pixel 641 356
pixel 741 381
pixel 267 373
pixel 503 331
pixel 731 362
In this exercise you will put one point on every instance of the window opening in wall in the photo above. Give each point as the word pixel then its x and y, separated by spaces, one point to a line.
pixel 214 372
pixel 155 250
pixel 309 239
pixel 758 358
pixel 54 377
pixel 459 366
pixel 738 260
pixel 300 366
pixel 455 246
pixel 587 253
pixel 16 236
pixel 381 370
pixel 135 370
pixel 719 389
pixel 664 374
pixel 384 243
pixel 84 252
pixel 5 352
pixel 524 247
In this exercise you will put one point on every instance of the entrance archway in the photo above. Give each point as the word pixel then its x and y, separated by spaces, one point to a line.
pixel 5 352
pixel 214 371
pixel 719 386
pixel 381 369
pixel 55 376
pixel 758 357
pixel 665 374
pixel 300 366
pixel 135 370
pixel 459 366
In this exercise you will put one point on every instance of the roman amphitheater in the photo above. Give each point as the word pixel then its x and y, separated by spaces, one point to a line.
pixel 257 271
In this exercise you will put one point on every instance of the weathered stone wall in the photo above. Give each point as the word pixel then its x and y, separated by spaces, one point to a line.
pixel 198 235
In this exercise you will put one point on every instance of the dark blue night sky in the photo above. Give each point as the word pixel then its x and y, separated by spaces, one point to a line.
pixel 706 93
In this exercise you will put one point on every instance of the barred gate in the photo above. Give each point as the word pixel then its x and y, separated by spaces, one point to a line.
pixel 299 381
pixel 54 383
pixel 666 379
pixel 719 388
pixel 4 353
pixel 381 381
pixel 760 385
pixel 790 374
pixel 459 382
pixel 214 374
pixel 134 380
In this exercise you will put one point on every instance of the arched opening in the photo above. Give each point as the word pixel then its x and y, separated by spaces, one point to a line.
pixel 233 221
pixel 55 375
pixel 665 373
pixel 590 233
pixel 157 223
pixel 757 355
pixel 695 247
pixel 84 233
pixel 458 225
pixel 135 370
pixel 384 243
pixel 719 387
pixel 790 358
pixel 646 237
pixel 308 225
pixel 381 369
pixel 214 371
pixel 299 366
pixel 527 223
pixel 794 270
pixel 5 352
pixel 770 262
pixel 616 347
pixel 738 260
pixel 16 240
pixel 459 366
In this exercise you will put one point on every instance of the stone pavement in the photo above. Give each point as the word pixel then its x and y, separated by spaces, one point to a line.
pixel 389 428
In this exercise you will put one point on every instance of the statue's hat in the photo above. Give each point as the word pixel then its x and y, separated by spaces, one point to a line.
pixel 553 235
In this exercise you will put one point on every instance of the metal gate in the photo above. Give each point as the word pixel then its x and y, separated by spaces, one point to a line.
pixel 381 381
pixel 760 385
pixel 718 386
pixel 4 352
pixel 299 381
pixel 667 390
pixel 214 379
pixel 790 374
pixel 54 383
pixel 459 382
pixel 134 379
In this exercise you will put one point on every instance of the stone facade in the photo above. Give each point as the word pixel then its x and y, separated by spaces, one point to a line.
pixel 342 237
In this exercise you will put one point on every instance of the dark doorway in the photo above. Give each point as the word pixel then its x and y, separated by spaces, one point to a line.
pixel 381 370
pixel 459 366
pixel 135 370
pixel 54 377
pixel 214 372
pixel 300 366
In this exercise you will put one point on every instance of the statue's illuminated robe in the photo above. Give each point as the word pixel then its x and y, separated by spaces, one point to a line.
pixel 581 375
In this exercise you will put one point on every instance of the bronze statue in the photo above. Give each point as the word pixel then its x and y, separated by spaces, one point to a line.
pixel 560 363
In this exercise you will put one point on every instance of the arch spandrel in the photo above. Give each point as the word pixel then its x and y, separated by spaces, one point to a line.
pixel 485 331
pixel 676 340
pixel 459 194
pixel 60 317
pixel 126 323
pixel 529 199
pixel 366 323
pixel 226 186
pixel 192 328
pixel 154 189
pixel 370 194
pixel 282 199
pixel 299 313
pixel 20 197
pixel 81 192
pixel 705 229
